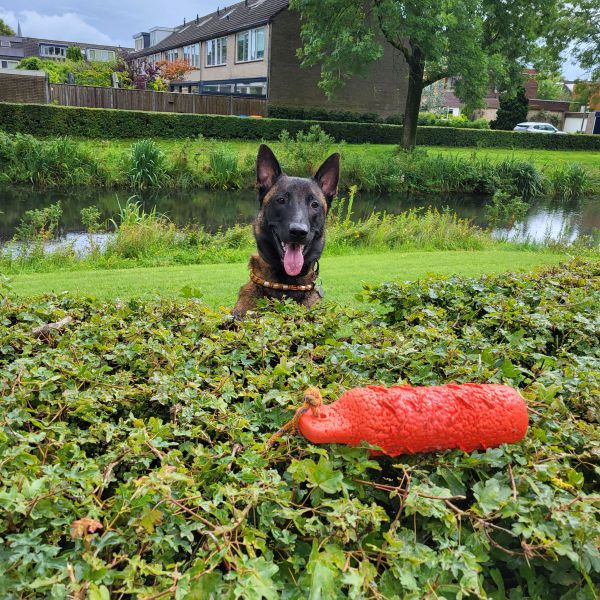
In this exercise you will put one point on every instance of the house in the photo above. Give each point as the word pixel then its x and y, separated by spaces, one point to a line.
pixel 539 110
pixel 249 49
pixel 14 48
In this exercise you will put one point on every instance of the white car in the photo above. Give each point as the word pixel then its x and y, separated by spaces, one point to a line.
pixel 534 127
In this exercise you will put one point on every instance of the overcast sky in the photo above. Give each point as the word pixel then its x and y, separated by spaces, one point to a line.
pixel 114 22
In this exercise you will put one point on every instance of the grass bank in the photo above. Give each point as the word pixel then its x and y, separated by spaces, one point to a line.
pixel 230 165
pixel 133 459
pixel 218 284
pixel 149 239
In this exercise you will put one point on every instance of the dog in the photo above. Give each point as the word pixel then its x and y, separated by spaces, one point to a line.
pixel 289 232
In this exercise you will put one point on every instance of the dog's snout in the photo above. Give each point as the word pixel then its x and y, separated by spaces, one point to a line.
pixel 298 230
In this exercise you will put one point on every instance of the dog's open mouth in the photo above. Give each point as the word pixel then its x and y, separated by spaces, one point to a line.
pixel 293 258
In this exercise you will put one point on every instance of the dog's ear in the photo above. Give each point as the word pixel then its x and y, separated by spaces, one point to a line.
pixel 267 170
pixel 328 177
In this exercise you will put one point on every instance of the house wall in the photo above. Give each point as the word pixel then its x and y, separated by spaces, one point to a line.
pixel 382 91
pixel 23 86
pixel 575 121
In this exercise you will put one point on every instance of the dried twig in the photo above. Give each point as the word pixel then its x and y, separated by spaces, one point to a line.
pixel 46 331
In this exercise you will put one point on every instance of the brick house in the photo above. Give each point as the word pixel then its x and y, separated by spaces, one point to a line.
pixel 14 48
pixel 249 49
pixel 539 110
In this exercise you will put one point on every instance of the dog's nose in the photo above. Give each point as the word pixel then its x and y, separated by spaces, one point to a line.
pixel 298 230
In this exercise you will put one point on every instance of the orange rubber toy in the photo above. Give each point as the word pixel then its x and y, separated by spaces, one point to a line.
pixel 407 420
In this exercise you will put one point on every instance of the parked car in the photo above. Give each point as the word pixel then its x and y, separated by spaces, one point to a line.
pixel 534 127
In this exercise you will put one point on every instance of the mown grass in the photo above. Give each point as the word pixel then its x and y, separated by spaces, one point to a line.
pixel 218 284
pixel 225 165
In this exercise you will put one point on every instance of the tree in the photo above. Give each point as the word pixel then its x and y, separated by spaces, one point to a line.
pixel 173 70
pixel 578 26
pixel 6 29
pixel 513 110
pixel 551 87
pixel 586 93
pixel 478 41
pixel 74 54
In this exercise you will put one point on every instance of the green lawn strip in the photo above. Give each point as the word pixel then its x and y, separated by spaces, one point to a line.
pixel 342 276
pixel 114 152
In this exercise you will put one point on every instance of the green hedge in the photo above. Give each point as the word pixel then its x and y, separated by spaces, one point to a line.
pixel 51 120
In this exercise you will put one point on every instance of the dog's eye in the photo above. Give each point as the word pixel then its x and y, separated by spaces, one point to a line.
pixel 314 204
pixel 281 200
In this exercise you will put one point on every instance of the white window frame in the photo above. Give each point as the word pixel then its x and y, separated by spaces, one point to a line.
pixel 191 53
pixel 171 55
pixel 252 49
pixel 5 43
pixel 139 43
pixel 92 53
pixel 217 50
pixel 45 47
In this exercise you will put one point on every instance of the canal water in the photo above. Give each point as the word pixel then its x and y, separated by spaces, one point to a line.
pixel 545 219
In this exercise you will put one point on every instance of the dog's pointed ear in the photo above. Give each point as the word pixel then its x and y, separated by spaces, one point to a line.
pixel 268 170
pixel 328 177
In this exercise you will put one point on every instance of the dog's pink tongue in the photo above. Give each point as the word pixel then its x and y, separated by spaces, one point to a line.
pixel 293 259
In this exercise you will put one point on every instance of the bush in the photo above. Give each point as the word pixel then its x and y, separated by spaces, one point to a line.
pixel 146 165
pixel 512 110
pixel 133 459
pixel 56 162
pixel 115 124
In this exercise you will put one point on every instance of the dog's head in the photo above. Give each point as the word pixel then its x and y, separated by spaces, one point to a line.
pixel 290 226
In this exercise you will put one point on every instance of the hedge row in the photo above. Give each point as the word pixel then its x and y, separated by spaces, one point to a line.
pixel 51 120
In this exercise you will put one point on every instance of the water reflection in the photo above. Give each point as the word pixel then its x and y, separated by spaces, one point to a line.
pixel 218 209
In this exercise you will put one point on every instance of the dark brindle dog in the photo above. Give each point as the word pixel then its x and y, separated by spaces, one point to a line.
pixel 289 232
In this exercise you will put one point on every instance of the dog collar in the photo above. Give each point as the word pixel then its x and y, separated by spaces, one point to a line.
pixel 274 285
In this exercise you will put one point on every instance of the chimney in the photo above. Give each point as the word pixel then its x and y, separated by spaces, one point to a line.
pixel 197 18
pixel 218 11
pixel 184 21
pixel 19 34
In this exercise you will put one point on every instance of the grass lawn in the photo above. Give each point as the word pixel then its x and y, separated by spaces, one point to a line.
pixel 113 151
pixel 342 276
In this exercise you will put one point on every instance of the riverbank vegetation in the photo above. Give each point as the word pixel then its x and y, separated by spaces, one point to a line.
pixel 133 458
pixel 200 162
pixel 137 238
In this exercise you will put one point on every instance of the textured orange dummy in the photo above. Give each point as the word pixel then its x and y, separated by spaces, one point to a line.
pixel 406 420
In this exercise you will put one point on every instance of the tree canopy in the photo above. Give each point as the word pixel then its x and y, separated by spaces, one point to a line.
pixel 481 42
pixel 6 29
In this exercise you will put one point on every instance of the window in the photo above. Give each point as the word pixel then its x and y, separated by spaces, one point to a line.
pixel 171 55
pixel 192 54
pixel 8 64
pixel 100 55
pixel 250 45
pixel 48 51
pixel 216 52
pixel 217 88
pixel 251 88
pixel 139 43
pixel 5 43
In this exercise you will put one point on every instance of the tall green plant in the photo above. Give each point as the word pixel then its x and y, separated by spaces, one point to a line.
pixel 146 165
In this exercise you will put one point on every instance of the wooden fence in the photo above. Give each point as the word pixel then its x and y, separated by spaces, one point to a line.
pixel 103 97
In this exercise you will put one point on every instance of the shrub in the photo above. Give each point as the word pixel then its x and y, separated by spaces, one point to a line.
pixel 304 154
pixel 133 458
pixel 146 165
pixel 55 162
pixel 224 170
pixel 512 110
pixel 117 124
pixel 505 209
pixel 569 181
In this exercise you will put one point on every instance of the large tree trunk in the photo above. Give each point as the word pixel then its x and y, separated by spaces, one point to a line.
pixel 416 66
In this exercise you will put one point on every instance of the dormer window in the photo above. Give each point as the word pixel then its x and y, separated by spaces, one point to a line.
pixel 250 45
pixel 53 51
